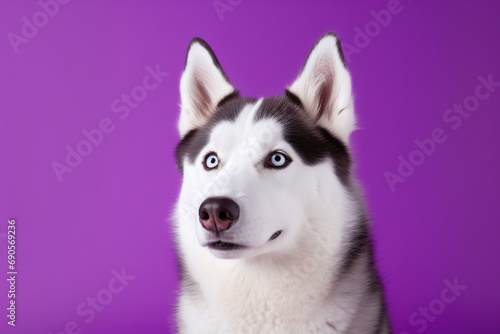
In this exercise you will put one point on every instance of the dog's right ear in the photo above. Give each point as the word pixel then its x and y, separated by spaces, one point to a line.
pixel 203 85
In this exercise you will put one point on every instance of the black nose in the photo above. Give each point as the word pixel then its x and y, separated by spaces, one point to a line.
pixel 217 214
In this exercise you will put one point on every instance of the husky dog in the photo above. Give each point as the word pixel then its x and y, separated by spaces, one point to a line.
pixel 271 229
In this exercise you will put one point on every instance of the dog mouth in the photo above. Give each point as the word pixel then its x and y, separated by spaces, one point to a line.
pixel 275 235
pixel 224 246
pixel 231 246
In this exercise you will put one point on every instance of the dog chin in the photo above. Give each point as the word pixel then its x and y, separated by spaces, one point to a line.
pixel 232 254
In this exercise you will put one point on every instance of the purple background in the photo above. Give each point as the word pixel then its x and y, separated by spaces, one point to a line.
pixel 112 211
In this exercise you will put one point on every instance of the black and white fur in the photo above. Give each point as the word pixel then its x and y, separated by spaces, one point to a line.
pixel 298 258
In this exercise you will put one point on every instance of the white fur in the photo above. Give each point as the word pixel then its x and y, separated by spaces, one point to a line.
pixel 286 285
pixel 273 277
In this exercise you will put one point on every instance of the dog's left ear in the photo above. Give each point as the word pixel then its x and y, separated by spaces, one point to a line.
pixel 203 85
pixel 324 87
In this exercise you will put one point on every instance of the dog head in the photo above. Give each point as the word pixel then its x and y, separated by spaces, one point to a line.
pixel 257 173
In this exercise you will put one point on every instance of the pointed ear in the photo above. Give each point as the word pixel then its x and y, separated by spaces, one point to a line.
pixel 203 86
pixel 324 87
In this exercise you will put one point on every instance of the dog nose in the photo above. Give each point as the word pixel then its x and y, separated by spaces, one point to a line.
pixel 217 214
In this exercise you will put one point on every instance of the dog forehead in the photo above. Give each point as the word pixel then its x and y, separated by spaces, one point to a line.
pixel 246 130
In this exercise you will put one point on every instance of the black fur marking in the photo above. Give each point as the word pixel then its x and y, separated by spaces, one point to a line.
pixel 293 98
pixel 339 49
pixel 312 142
pixel 383 322
pixel 377 287
pixel 231 96
pixel 190 143
pixel 356 244
pixel 360 247
pixel 382 318
pixel 190 286
pixel 195 140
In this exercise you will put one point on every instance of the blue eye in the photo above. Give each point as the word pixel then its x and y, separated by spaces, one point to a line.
pixel 211 161
pixel 277 159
